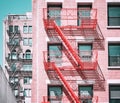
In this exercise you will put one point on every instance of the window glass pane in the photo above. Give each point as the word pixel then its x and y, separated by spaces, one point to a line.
pixel 86 93
pixel 16 29
pixel 83 13
pixel 14 55
pixel 25 41
pixel 13 67
pixel 55 52
pixel 114 54
pixel 114 93
pixel 14 41
pixel 27 80
pixel 27 92
pixel 11 28
pixel 114 11
pixel 30 29
pixel 13 80
pixel 85 51
pixel 27 67
pixel 113 15
pixel 16 92
pixel 86 47
pixel 25 29
pixel 30 41
pixel 55 13
pixel 55 93
pixel 28 54
pixel 114 21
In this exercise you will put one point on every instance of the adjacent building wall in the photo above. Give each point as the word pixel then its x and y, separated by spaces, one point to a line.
pixel 6 94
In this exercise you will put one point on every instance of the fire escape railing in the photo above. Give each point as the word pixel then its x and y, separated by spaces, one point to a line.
pixel 88 22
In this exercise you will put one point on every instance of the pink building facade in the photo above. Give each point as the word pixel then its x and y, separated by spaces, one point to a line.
pixel 76 51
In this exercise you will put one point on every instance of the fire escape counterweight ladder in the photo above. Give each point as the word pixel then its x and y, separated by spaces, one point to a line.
pixel 65 83
pixel 72 51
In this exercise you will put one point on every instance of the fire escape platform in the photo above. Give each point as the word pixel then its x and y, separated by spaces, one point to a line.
pixel 75 65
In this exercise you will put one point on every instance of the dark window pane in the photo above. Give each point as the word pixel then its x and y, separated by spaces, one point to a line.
pixel 55 53
pixel 114 54
pixel 54 93
pixel 11 28
pixel 54 12
pixel 86 93
pixel 114 91
pixel 113 15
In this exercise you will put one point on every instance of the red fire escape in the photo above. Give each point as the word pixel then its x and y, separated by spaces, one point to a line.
pixel 87 29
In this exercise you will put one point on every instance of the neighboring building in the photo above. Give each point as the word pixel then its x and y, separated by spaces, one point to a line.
pixel 18 54
pixel 6 94
pixel 76 51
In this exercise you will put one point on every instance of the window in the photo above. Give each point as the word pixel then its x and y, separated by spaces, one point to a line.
pixel 114 93
pixel 85 51
pixel 16 92
pixel 55 53
pixel 25 29
pixel 28 55
pixel 114 14
pixel 55 93
pixel 11 29
pixel 86 93
pixel 14 41
pixel 14 54
pixel 30 42
pixel 13 80
pixel 13 67
pixel 30 29
pixel 27 80
pixel 27 67
pixel 16 29
pixel 27 92
pixel 114 54
pixel 54 13
pixel 27 41
pixel 83 12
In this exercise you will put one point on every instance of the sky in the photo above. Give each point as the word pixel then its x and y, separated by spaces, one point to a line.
pixel 11 7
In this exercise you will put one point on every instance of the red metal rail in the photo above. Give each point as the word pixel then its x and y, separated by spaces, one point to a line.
pixel 89 59
pixel 65 83
pixel 69 13
pixel 64 99
pixel 68 45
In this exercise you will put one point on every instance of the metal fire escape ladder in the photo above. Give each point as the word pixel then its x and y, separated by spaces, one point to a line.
pixel 68 45
pixel 65 83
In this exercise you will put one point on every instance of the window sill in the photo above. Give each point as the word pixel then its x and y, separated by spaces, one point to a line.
pixel 113 67
pixel 113 27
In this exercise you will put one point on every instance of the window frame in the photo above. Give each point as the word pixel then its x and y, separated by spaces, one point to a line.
pixel 114 67
pixel 28 80
pixel 27 55
pixel 82 5
pixel 59 97
pixel 30 29
pixel 112 85
pixel 91 86
pixel 28 91
pixel 25 29
pixel 108 24
pixel 59 7
pixel 88 53
pixel 27 66
pixel 54 44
